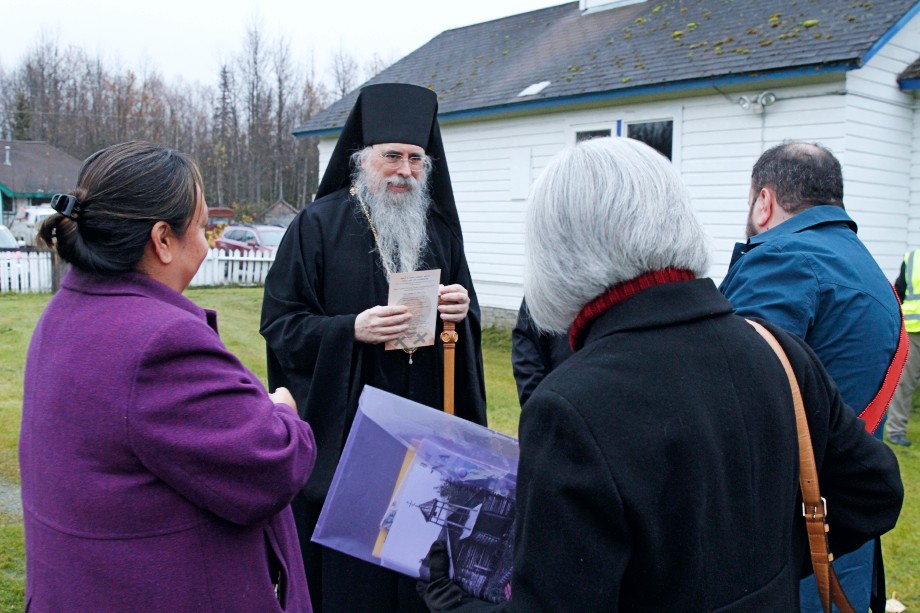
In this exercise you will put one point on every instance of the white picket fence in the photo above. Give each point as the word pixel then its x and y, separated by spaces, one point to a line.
pixel 30 271
pixel 233 268
pixel 25 271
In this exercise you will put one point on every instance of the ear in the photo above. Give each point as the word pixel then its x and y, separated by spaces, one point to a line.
pixel 764 208
pixel 162 240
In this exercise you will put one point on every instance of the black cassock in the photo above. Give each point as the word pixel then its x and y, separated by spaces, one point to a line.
pixel 534 353
pixel 326 271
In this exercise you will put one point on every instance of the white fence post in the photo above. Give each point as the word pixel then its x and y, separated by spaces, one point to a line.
pixel 25 271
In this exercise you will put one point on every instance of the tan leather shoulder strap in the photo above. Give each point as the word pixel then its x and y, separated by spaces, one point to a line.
pixel 814 507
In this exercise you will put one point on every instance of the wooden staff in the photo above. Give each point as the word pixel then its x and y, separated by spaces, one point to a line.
pixel 449 338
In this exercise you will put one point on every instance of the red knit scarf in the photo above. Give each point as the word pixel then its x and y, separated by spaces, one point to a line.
pixel 619 293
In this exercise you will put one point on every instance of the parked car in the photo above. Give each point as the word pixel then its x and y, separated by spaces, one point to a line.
pixel 250 238
pixel 27 221
pixel 7 241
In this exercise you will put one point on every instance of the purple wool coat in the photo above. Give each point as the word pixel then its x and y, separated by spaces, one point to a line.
pixel 156 471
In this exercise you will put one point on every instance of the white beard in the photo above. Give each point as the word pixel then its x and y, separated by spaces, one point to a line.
pixel 400 218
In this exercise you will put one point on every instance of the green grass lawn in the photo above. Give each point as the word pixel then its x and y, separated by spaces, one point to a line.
pixel 239 309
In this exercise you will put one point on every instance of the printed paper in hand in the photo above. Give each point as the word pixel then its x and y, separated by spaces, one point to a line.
pixel 418 291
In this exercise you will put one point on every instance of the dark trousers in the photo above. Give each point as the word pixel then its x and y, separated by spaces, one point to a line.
pixel 340 583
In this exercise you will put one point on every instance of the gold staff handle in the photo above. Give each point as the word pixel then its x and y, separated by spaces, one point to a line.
pixel 449 337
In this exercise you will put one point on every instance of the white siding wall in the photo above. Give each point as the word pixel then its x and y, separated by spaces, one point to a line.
pixel 721 142
pixel 484 159
pixel 716 143
pixel 489 162
pixel 880 148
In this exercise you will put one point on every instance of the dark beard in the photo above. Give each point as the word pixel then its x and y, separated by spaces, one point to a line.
pixel 749 229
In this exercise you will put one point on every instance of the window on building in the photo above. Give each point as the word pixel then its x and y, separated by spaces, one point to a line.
pixel 658 135
pixel 589 134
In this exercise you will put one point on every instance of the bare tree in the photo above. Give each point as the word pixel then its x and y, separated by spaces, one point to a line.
pixel 344 72
pixel 374 66
pixel 239 131
pixel 257 97
pixel 314 97
pixel 284 77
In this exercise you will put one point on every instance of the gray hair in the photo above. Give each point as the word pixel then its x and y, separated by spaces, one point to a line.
pixel 603 212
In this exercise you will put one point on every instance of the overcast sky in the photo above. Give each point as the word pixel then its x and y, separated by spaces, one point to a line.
pixel 189 38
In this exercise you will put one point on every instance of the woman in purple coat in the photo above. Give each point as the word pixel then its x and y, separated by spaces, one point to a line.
pixel 156 469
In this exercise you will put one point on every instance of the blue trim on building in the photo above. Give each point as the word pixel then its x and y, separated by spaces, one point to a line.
pixel 887 36
pixel 647 90
pixel 907 85
pixel 619 127
pixel 323 132
pixel 642 91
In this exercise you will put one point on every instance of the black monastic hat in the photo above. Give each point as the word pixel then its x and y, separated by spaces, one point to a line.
pixel 394 113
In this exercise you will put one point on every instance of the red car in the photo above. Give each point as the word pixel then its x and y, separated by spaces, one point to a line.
pixel 263 239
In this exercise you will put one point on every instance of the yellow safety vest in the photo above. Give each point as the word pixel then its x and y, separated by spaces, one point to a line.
pixel 911 304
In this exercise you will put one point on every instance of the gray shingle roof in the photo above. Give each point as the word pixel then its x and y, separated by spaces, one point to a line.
pixel 36 168
pixel 910 74
pixel 633 48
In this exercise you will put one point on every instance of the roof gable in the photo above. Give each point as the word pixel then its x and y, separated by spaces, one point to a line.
pixel 909 79
pixel 280 207
pixel 36 169
pixel 663 43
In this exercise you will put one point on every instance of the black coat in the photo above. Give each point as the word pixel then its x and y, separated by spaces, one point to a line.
pixel 659 467
pixel 534 354
pixel 326 272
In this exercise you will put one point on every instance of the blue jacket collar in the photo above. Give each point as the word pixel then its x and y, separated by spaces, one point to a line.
pixel 808 218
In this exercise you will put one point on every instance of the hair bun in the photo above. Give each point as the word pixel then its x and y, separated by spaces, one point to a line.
pixel 79 193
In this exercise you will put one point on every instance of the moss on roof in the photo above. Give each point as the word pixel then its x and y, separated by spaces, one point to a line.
pixel 640 45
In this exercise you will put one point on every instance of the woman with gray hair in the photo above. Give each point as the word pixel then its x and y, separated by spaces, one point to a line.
pixel 659 464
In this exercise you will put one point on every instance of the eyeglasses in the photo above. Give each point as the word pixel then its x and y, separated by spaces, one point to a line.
pixel 395 160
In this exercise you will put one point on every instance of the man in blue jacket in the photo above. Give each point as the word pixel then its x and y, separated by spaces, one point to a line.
pixel 804 268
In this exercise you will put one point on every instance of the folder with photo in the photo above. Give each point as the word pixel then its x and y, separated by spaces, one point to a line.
pixel 410 475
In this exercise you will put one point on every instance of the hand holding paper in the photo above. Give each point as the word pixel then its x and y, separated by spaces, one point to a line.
pixel 382 323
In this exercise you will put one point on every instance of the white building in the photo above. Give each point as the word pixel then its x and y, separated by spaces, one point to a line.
pixel 714 82
pixel 31 172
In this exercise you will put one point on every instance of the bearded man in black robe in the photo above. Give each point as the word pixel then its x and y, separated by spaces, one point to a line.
pixel 385 205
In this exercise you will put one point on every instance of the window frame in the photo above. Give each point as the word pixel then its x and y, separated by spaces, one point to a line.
pixel 658 119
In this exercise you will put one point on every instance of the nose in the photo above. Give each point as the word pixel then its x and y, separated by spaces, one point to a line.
pixel 404 169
